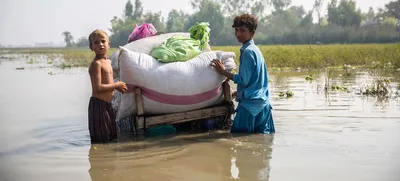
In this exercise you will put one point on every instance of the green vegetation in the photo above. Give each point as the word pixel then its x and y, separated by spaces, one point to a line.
pixel 280 22
pixel 309 78
pixel 338 88
pixel 278 57
pixel 320 56
pixel 68 57
pixel 287 94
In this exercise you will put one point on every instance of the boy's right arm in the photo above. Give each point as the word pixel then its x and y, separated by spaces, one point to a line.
pixel 248 66
pixel 95 76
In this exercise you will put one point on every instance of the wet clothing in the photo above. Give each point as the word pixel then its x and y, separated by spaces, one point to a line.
pixel 245 122
pixel 102 125
pixel 253 113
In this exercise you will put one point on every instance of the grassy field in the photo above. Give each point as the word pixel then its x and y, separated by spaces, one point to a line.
pixel 294 56
pixel 319 56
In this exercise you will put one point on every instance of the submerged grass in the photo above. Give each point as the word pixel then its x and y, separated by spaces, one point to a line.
pixel 70 57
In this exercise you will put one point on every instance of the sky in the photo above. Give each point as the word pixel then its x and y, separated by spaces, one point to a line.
pixel 26 22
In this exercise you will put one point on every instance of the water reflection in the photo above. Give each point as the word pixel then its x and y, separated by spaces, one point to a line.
pixel 205 156
pixel 252 162
pixel 101 168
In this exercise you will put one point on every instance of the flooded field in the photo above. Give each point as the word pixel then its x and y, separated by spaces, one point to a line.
pixel 327 129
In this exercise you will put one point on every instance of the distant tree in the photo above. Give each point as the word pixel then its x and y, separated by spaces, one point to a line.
pixel 176 21
pixel 369 17
pixel 128 12
pixel 121 28
pixel 233 8
pixel 371 13
pixel 282 21
pixel 211 12
pixel 324 22
pixel 333 13
pixel 68 38
pixel 393 9
pixel 279 21
pixel 307 21
pixel 279 5
pixel 318 6
pixel 82 42
pixel 345 14
pixel 380 15
pixel 298 11
pixel 156 19
pixel 390 22
pixel 138 12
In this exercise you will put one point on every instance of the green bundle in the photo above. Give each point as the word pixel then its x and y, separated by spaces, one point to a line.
pixel 180 48
pixel 201 32
pixel 176 48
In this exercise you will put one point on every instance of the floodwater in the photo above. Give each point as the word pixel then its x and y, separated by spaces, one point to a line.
pixel 329 136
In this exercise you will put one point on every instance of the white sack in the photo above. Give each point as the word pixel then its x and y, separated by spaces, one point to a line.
pixel 174 83
pixel 144 45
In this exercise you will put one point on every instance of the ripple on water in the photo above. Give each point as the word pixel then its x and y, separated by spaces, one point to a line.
pixel 52 138
pixel 151 151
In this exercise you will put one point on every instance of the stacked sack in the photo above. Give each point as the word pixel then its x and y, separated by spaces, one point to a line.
pixel 171 87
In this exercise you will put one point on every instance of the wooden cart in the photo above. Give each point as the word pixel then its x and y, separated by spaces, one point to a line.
pixel 141 122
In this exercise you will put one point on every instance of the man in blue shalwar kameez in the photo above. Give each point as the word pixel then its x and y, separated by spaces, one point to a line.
pixel 254 112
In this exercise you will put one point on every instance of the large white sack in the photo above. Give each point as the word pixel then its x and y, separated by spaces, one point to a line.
pixel 171 87
pixel 144 45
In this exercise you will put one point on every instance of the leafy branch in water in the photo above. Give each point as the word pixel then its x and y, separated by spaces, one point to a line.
pixel 309 78
pixel 379 87
pixel 287 94
pixel 338 88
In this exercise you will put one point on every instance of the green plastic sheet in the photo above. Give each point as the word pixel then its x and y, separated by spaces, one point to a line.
pixel 180 48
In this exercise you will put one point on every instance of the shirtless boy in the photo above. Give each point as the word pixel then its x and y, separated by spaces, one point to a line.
pixel 102 126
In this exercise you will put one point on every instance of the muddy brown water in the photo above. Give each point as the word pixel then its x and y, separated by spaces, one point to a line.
pixel 330 136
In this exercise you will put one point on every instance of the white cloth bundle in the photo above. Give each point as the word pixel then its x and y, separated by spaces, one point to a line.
pixel 170 87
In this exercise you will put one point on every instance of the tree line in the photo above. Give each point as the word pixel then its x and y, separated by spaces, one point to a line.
pixel 280 22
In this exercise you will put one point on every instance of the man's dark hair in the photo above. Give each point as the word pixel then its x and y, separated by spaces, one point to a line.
pixel 247 20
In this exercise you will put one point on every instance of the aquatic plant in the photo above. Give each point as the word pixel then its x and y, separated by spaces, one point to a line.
pixel 309 78
pixel 379 87
pixel 338 88
pixel 287 94
pixel 31 61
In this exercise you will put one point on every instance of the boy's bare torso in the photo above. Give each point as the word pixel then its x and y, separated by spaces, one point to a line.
pixel 106 78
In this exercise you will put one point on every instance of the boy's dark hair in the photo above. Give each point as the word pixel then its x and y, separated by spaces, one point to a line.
pixel 247 20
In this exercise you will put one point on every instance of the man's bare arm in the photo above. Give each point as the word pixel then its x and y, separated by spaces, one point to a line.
pixel 219 66
pixel 95 76
pixel 227 74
